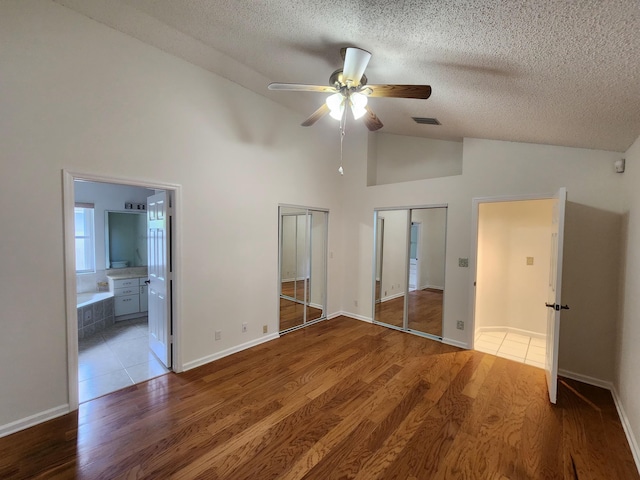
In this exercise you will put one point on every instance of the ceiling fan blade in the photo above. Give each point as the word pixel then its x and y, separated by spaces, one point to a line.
pixel 371 120
pixel 315 116
pixel 302 87
pixel 355 62
pixel 398 91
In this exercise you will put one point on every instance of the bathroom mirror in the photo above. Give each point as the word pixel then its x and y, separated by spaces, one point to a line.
pixel 125 239
pixel 409 268
pixel 303 264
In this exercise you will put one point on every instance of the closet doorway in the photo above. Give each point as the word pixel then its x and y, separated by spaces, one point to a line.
pixel 302 268
pixel 409 269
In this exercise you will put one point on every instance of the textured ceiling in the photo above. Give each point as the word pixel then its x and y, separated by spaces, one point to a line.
pixel 560 72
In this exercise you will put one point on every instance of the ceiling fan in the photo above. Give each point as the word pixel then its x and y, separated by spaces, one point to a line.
pixel 348 88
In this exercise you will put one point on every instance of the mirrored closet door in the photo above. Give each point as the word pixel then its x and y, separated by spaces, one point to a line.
pixel 409 268
pixel 303 266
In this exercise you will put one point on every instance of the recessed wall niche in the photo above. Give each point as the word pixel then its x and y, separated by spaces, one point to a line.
pixel 401 158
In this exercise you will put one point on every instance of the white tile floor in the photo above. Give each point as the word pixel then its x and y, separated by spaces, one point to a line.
pixel 521 348
pixel 116 358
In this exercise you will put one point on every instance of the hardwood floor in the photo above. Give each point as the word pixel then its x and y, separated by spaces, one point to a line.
pixel 340 399
pixel 425 311
pixel 291 312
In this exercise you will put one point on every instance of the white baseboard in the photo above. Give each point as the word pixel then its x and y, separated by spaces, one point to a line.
pixel 229 351
pixel 455 343
pixel 596 382
pixel 355 316
pixel 432 287
pixel 32 420
pixel 519 331
pixel 626 426
pixel 391 297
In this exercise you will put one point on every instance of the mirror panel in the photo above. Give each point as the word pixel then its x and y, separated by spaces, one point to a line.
pixel 125 239
pixel 426 270
pixel 409 269
pixel 391 267
pixel 317 265
pixel 303 266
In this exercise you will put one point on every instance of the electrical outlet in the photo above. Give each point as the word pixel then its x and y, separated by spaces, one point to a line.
pixel 463 262
pixel 355 302
pixel 265 329
pixel 385 293
pixel 460 325
pixel 244 328
pixel 529 260
pixel 218 334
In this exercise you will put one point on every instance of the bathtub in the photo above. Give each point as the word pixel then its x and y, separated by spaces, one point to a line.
pixel 95 312
pixel 92 297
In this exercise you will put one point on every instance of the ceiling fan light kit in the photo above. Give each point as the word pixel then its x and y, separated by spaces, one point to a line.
pixel 348 87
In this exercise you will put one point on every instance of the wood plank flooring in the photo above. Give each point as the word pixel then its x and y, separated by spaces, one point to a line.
pixel 339 399
pixel 425 311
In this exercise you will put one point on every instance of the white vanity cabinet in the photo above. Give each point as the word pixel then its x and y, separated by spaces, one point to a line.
pixel 126 296
pixel 144 299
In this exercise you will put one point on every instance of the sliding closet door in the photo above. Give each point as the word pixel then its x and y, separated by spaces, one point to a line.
pixel 303 266
pixel 391 267
pixel 427 261
pixel 409 267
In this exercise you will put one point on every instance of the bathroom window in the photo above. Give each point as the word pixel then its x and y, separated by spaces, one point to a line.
pixel 85 238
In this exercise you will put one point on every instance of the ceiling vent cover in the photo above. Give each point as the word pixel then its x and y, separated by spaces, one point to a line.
pixel 426 121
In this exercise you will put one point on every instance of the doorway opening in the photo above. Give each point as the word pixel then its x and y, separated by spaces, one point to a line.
pixel 121 279
pixel 517 278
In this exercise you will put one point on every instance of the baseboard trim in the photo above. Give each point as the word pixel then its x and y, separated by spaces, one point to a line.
pixel 519 331
pixel 32 420
pixel 229 351
pixel 392 297
pixel 596 382
pixel 626 426
pixel 455 343
pixel 355 316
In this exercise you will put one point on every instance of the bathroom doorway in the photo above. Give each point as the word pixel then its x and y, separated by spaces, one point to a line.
pixel 517 272
pixel 111 322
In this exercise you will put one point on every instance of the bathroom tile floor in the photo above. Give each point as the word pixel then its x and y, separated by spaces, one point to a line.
pixel 116 358
pixel 521 348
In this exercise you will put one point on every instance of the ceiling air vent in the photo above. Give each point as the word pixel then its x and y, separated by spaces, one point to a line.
pixel 426 121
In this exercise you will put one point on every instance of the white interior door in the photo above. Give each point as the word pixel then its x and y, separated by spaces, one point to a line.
pixel 554 299
pixel 159 291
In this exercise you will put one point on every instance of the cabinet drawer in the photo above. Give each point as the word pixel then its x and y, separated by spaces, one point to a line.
pixel 120 292
pixel 126 304
pixel 125 282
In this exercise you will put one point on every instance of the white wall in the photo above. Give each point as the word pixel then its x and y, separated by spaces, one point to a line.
pixel 80 96
pixel 509 292
pixel 627 381
pixel 493 168
pixel 400 158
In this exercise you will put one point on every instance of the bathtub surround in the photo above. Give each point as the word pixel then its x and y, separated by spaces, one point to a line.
pixel 95 314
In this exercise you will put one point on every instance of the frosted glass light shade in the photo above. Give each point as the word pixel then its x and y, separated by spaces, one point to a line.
pixel 358 104
pixel 335 103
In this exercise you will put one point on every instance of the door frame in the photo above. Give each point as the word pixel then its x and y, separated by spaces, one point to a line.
pixel 473 254
pixel 418 252
pixel 68 201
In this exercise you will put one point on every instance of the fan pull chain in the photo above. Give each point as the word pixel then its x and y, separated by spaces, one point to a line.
pixel 343 126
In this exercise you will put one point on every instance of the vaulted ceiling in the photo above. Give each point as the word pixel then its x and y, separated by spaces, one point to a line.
pixel 559 72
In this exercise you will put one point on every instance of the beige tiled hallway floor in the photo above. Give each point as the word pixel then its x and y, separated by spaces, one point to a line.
pixel 521 348
pixel 116 358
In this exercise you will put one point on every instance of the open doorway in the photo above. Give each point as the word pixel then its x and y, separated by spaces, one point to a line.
pixel 120 278
pixel 512 278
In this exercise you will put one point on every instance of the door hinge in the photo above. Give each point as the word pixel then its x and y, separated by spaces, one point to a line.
pixel 557 307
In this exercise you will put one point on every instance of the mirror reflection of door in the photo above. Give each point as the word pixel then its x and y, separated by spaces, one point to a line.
pixel 427 259
pixel 409 269
pixel 302 266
